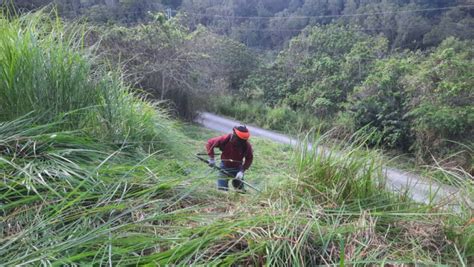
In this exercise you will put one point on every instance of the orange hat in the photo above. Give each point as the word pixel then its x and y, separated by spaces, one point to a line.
pixel 242 132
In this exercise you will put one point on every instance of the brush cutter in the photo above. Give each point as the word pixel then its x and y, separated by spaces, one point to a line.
pixel 198 156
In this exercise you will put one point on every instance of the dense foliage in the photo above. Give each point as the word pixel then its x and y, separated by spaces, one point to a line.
pixel 318 70
pixel 441 97
pixel 399 70
pixel 272 23
pixel 170 62
pixel 413 101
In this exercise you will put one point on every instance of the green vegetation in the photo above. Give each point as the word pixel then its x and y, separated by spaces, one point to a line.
pixel 336 77
pixel 400 70
pixel 93 174
pixel 170 62
pixel 270 24
pixel 91 207
pixel 47 73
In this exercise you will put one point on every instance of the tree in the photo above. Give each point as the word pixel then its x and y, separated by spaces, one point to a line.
pixel 172 63
pixel 159 59
pixel 441 98
pixel 458 23
pixel 379 105
pixel 318 69
pixel 411 29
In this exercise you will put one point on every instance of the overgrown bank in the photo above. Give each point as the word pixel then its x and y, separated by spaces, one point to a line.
pixel 93 175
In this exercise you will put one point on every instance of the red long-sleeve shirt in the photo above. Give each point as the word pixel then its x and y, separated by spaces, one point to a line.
pixel 233 152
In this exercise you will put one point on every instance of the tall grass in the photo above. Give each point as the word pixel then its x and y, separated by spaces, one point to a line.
pixel 68 200
pixel 71 200
pixel 72 187
pixel 73 191
pixel 45 69
pixel 345 171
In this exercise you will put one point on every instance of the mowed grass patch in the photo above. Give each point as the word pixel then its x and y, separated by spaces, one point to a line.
pixel 271 163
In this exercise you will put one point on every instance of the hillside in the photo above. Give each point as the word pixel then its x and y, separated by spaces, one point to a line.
pixel 399 72
pixel 95 174
pixel 269 24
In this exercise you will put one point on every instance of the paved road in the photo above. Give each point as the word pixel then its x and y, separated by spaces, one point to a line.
pixel 397 180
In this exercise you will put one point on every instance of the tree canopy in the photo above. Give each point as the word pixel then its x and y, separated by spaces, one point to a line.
pixel 271 24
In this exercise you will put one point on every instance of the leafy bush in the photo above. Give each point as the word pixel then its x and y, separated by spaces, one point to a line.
pixel 417 102
pixel 318 69
pixel 441 98
pixel 381 103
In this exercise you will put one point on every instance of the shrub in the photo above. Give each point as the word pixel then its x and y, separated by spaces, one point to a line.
pixel 441 92
pixel 318 70
pixel 381 103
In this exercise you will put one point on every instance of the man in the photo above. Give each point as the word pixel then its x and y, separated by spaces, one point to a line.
pixel 236 157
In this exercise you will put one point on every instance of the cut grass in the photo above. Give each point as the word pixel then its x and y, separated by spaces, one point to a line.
pixel 336 192
pixel 142 209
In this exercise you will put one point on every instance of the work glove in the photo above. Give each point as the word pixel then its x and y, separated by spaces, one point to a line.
pixel 240 175
pixel 212 162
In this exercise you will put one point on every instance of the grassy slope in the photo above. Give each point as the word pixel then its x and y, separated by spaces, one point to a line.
pixel 381 226
pixel 118 184
pixel 130 208
pixel 127 208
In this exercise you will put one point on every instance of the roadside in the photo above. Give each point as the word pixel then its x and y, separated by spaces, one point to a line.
pixel 420 189
pixel 297 204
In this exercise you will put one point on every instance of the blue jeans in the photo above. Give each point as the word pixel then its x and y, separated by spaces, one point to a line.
pixel 223 180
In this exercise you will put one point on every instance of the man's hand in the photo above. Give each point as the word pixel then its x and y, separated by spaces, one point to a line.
pixel 240 175
pixel 212 162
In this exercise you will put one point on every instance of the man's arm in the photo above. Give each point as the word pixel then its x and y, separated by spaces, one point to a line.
pixel 248 157
pixel 213 142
